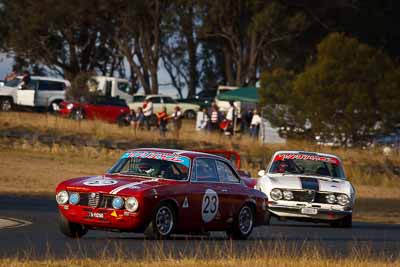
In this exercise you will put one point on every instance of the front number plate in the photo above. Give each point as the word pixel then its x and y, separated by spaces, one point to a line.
pixel 96 215
pixel 309 211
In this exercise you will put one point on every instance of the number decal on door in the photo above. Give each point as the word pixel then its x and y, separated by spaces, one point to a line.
pixel 209 208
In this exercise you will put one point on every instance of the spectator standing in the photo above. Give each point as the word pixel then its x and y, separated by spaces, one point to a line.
pixel 162 121
pixel 255 124
pixel 177 121
pixel 214 118
pixel 139 118
pixel 147 112
pixel 231 117
pixel 11 76
pixel 26 79
pixel 205 119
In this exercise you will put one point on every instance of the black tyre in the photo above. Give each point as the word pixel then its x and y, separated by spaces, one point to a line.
pixel 6 104
pixel 77 114
pixel 69 229
pixel 163 222
pixel 123 120
pixel 244 223
pixel 52 109
pixel 190 114
pixel 345 222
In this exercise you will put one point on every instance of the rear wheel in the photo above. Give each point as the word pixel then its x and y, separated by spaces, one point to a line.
pixel 6 104
pixel 163 222
pixel 69 229
pixel 190 114
pixel 244 223
pixel 345 222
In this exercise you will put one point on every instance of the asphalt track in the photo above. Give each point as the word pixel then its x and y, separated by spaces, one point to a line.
pixel 42 238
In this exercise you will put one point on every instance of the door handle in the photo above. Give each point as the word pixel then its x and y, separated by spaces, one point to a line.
pixel 224 190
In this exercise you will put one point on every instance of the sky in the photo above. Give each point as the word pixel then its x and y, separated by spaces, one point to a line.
pixel 6 66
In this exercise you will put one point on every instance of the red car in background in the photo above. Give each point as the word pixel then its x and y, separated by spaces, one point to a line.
pixel 162 192
pixel 234 157
pixel 109 109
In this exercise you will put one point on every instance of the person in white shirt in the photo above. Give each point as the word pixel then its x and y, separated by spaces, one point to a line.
pixel 255 124
pixel 230 117
pixel 147 112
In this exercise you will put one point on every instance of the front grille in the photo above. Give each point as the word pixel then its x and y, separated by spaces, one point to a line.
pixel 95 200
pixel 304 196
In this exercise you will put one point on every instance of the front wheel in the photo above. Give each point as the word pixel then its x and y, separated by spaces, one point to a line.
pixel 69 229
pixel 244 224
pixel 6 104
pixel 77 114
pixel 163 222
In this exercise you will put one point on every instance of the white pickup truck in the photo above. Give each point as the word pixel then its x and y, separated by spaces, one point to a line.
pixel 41 92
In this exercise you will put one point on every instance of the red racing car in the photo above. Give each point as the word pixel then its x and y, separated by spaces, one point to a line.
pixel 162 192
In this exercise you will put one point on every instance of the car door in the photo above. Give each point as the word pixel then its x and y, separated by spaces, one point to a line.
pixel 27 96
pixel 233 192
pixel 48 91
pixel 169 103
pixel 157 105
pixel 207 211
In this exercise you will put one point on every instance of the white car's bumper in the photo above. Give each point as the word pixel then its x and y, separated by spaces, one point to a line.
pixel 323 212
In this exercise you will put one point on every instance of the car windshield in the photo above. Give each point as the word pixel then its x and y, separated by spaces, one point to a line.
pixel 12 83
pixel 307 164
pixel 153 164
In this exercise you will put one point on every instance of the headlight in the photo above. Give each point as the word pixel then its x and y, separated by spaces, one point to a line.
pixel 118 203
pixel 70 106
pixel 276 194
pixel 131 204
pixel 343 199
pixel 74 198
pixel 288 195
pixel 62 197
pixel 331 199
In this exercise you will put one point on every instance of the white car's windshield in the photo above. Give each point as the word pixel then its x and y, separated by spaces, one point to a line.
pixel 153 164
pixel 307 164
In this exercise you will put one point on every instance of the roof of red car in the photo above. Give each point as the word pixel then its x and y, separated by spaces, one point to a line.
pixel 186 153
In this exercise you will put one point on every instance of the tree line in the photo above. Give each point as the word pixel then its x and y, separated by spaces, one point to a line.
pixel 290 46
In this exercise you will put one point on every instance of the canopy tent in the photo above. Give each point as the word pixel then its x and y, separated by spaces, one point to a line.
pixel 243 94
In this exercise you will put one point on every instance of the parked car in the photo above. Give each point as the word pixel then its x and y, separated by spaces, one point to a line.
pixel 203 98
pixel 161 192
pixel 160 101
pixel 110 109
pixel 308 186
pixel 42 92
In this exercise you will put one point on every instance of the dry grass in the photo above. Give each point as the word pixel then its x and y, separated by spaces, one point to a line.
pixel 223 254
pixel 260 262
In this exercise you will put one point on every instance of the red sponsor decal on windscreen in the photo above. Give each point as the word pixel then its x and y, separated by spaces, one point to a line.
pixel 306 157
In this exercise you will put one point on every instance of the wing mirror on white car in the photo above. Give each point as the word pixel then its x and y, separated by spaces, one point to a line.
pixel 261 173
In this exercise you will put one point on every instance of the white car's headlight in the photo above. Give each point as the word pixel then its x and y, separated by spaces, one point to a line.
pixel 62 197
pixel 131 204
pixel 331 198
pixel 343 199
pixel 70 106
pixel 288 195
pixel 117 203
pixel 74 198
pixel 276 194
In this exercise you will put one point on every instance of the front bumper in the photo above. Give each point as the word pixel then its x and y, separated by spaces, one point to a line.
pixel 103 218
pixel 323 213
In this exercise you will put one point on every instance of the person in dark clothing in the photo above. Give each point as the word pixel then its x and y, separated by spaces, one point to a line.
pixel 26 79
pixel 162 121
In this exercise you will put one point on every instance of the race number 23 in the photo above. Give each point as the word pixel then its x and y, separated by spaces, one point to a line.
pixel 209 207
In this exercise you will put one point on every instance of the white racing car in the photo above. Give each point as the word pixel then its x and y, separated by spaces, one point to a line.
pixel 308 186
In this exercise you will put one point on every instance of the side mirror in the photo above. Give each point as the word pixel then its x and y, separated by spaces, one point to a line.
pixel 261 173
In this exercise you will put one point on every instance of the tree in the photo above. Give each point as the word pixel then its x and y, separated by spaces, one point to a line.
pixel 67 37
pixel 349 92
pixel 247 30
